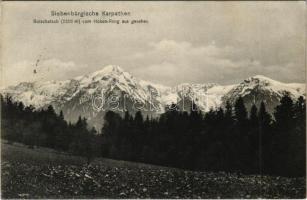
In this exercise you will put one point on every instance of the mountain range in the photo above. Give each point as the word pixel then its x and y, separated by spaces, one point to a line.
pixel 112 88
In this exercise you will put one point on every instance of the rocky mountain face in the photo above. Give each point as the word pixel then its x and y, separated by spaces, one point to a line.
pixel 114 89
pixel 259 88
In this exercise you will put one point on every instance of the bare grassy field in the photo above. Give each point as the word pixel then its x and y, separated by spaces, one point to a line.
pixel 43 173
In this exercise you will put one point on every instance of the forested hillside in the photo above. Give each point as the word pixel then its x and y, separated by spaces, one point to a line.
pixel 230 139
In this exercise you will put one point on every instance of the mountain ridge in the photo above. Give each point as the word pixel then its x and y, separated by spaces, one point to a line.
pixel 78 96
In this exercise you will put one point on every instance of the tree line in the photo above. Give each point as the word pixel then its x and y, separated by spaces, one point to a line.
pixel 45 128
pixel 229 139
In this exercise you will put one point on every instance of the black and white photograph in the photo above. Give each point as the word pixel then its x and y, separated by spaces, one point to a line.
pixel 153 100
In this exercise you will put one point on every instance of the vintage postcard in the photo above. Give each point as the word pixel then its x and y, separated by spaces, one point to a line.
pixel 167 99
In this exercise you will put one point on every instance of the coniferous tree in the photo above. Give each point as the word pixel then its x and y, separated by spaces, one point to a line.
pixel 243 154
pixel 254 137
pixel 265 140
pixel 228 129
pixel 283 130
pixel 298 139
pixel 49 126
pixel 111 132
pixel 82 140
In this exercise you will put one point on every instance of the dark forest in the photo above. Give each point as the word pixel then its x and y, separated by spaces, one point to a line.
pixel 230 139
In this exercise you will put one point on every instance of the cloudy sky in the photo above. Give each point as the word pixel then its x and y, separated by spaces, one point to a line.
pixel 197 42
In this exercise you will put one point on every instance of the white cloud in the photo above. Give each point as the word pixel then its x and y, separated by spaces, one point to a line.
pixel 42 70
pixel 171 62
pixel 210 41
pixel 186 62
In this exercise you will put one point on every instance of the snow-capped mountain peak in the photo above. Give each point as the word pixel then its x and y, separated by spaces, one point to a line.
pixel 259 88
pixel 75 96
pixel 260 81
pixel 107 70
pixel 111 72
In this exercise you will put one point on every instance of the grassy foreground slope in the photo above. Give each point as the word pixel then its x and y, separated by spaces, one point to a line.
pixel 42 173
